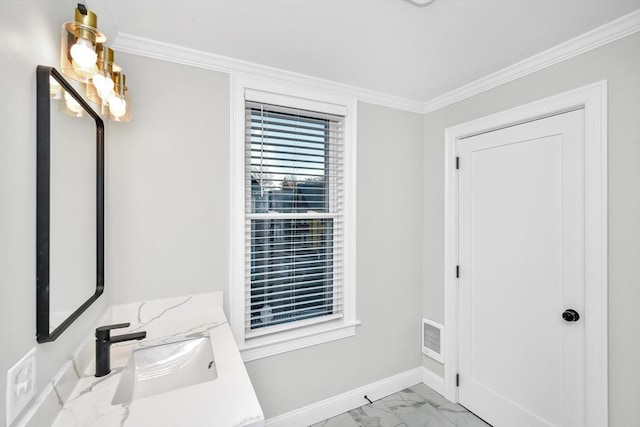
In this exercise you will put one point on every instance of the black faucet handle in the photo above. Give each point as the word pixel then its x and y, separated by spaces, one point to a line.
pixel 102 332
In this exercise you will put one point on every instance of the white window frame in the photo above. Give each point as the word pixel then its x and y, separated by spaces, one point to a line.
pixel 303 97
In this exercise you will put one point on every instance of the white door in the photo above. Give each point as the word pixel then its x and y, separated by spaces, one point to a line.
pixel 521 256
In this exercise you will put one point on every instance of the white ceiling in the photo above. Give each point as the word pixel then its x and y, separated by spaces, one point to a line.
pixel 388 46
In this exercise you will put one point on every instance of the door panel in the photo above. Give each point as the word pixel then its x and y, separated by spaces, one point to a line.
pixel 521 230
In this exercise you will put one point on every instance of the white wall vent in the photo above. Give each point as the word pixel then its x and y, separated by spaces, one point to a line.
pixel 433 339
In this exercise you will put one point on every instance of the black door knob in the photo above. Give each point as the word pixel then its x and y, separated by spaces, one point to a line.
pixel 570 315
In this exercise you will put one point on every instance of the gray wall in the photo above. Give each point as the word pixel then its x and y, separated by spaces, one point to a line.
pixel 619 63
pixel 167 211
pixel 29 35
pixel 168 205
pixel 168 184
pixel 167 197
pixel 388 252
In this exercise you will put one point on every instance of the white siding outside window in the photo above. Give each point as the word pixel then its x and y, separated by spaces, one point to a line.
pixel 293 261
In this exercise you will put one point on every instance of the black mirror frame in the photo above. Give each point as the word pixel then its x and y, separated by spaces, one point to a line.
pixel 43 204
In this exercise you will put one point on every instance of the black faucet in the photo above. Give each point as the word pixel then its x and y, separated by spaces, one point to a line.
pixel 103 345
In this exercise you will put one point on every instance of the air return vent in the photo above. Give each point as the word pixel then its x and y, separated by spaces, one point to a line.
pixel 432 339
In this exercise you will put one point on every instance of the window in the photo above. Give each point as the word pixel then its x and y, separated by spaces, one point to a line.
pixel 293 271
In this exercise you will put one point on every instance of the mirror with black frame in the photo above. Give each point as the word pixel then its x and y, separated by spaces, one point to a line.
pixel 70 204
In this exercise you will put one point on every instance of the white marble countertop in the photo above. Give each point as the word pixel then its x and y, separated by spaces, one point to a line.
pixel 229 400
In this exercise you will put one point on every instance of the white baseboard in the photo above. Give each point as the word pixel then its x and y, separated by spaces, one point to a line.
pixel 344 402
pixel 433 380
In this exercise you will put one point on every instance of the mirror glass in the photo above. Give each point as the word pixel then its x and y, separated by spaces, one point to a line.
pixel 70 204
pixel 72 210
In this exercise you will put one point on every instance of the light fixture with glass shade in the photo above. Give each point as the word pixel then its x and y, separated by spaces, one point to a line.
pixel 78 56
pixel 85 58
pixel 120 103
pixel 102 86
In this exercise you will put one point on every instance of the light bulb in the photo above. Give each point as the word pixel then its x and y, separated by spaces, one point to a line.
pixel 55 90
pixel 83 53
pixel 72 104
pixel 117 106
pixel 104 86
pixel 108 85
pixel 106 96
pixel 98 81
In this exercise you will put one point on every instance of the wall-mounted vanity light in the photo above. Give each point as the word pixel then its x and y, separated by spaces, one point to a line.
pixel 120 102
pixel 78 56
pixel 84 57
pixel 101 88
pixel 107 88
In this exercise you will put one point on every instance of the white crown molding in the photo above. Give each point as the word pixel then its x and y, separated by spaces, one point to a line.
pixel 129 43
pixel 607 33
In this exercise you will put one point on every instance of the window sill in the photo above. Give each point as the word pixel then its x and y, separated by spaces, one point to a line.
pixel 258 348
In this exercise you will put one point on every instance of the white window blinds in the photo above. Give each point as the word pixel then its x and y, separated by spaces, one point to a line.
pixel 294 217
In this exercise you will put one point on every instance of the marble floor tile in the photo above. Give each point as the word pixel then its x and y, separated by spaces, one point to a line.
pixel 376 414
pixel 404 401
pixel 342 420
pixel 434 398
pixel 460 416
pixel 415 411
pixel 416 406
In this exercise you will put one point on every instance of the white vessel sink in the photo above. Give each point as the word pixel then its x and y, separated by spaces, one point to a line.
pixel 155 368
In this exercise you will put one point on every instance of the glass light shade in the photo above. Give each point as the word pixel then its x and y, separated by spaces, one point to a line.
pixel 120 104
pixel 120 108
pixel 78 57
pixel 117 106
pixel 69 106
pixel 100 105
pixel 102 86
pixel 55 90
pixel 83 54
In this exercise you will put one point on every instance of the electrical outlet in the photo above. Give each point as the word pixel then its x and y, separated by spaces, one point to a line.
pixel 21 385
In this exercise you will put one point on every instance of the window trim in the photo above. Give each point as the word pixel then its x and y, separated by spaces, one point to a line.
pixel 304 97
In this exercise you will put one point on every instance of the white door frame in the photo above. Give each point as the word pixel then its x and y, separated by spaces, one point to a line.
pixel 593 98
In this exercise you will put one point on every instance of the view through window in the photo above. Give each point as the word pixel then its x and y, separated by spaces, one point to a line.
pixel 294 182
